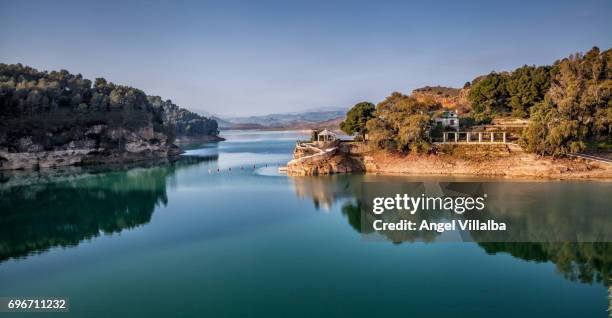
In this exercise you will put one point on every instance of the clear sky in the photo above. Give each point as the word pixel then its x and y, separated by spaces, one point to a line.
pixel 236 58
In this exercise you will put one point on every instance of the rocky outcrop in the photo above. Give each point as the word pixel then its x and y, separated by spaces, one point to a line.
pixel 492 160
pixel 93 145
pixel 311 159
pixel 448 97
pixel 476 160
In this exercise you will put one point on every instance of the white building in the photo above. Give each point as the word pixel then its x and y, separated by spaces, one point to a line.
pixel 326 136
pixel 448 119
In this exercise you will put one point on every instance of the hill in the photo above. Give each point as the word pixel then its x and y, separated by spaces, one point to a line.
pixel 448 97
pixel 288 120
pixel 58 118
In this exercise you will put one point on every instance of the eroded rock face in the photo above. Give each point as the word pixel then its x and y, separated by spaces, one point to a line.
pixel 486 160
pixel 323 160
pixel 92 145
pixel 448 97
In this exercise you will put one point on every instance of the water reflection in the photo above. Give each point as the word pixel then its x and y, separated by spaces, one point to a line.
pixel 62 207
pixel 566 223
pixel 583 262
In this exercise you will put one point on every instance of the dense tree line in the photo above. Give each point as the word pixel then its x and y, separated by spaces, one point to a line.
pixel 577 109
pixel 25 90
pixel 568 106
pixel 512 93
pixel 184 122
pixel 60 98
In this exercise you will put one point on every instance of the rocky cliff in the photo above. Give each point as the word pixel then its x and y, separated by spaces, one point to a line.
pixel 448 97
pixel 311 159
pixel 51 119
pixel 483 160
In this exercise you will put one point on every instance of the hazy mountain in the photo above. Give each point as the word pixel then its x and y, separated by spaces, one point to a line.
pixel 286 120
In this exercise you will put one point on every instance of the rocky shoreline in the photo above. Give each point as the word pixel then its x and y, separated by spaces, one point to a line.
pixel 183 140
pixel 101 145
pixel 491 160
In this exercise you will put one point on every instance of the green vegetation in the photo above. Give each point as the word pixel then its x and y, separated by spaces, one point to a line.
pixel 184 122
pixel 54 108
pixel 511 93
pixel 488 96
pixel 401 123
pixel 356 119
pixel 26 91
pixel 526 87
pixel 576 108
pixel 567 104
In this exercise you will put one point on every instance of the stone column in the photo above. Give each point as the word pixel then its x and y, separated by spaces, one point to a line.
pixel 467 138
pixel 492 136
pixel 444 137
pixel 504 137
pixel 456 137
pixel 479 137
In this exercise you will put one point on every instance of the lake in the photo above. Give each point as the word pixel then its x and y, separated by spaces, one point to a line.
pixel 193 238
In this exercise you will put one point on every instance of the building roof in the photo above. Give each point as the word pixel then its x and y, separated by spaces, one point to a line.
pixel 448 114
pixel 326 132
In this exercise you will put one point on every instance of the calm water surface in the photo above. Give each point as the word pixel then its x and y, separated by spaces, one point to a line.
pixel 182 240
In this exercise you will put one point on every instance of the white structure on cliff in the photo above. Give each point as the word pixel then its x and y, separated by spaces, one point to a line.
pixel 326 136
pixel 448 119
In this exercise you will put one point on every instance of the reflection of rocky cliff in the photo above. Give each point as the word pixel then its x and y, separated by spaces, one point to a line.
pixel 325 191
pixel 548 220
pixel 38 211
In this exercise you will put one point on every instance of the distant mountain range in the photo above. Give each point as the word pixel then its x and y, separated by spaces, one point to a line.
pixel 323 118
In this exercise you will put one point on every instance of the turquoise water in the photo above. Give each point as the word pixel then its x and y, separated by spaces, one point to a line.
pixel 180 239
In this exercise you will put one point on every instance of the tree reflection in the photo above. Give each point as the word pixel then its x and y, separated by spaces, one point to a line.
pixel 548 220
pixel 584 262
pixel 62 207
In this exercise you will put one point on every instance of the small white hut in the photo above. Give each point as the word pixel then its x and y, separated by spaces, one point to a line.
pixel 326 136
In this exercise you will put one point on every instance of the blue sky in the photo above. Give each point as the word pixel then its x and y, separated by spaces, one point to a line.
pixel 236 58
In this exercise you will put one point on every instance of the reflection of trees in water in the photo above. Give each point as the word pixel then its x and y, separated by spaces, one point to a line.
pixel 585 262
pixel 362 222
pixel 547 212
pixel 79 204
pixel 352 212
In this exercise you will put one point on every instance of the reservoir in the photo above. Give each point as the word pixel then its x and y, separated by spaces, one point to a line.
pixel 219 232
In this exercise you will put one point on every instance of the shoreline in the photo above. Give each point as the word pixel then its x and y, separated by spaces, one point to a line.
pixel 84 157
pixel 503 161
